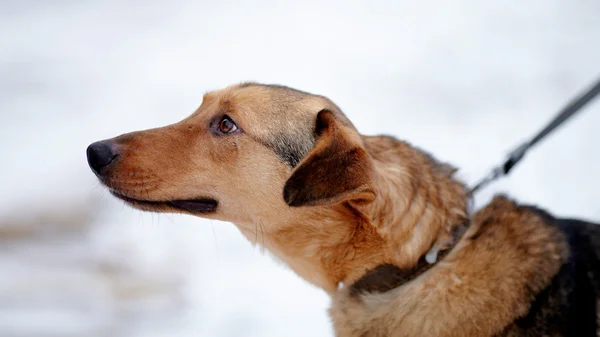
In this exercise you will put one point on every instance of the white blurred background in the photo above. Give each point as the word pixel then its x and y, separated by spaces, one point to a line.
pixel 466 80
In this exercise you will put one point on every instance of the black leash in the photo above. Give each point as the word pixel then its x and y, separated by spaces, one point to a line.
pixel 514 157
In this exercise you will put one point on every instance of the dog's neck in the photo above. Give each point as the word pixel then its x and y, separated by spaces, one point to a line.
pixel 418 205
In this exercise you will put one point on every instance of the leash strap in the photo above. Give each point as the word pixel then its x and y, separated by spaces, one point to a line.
pixel 515 156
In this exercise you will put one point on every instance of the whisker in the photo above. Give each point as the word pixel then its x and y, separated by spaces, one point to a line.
pixel 163 192
pixel 255 232
pixel 212 225
pixel 263 237
pixel 166 182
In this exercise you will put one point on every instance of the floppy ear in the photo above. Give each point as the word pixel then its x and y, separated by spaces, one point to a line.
pixel 338 168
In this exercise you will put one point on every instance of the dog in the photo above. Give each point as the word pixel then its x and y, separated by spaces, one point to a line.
pixel 378 224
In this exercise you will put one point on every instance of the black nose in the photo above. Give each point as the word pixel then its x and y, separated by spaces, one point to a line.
pixel 99 155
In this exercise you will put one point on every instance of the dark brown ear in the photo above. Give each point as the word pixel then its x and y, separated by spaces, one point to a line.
pixel 338 169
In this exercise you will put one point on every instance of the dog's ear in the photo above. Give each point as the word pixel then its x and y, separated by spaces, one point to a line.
pixel 338 169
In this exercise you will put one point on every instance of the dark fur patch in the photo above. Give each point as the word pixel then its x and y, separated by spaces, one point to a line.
pixel 289 149
pixel 292 143
pixel 567 307
pixel 292 148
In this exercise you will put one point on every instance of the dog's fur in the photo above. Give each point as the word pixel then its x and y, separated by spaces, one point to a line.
pixel 299 179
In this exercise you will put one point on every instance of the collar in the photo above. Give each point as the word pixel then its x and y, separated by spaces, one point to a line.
pixel 386 277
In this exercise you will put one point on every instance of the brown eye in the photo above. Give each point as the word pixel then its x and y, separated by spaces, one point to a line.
pixel 227 125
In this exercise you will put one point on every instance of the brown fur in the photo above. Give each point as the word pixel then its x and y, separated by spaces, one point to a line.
pixel 459 296
pixel 301 181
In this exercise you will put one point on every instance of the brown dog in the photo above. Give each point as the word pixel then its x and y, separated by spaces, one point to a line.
pixel 378 224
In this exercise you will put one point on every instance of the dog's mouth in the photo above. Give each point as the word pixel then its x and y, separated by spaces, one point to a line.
pixel 198 205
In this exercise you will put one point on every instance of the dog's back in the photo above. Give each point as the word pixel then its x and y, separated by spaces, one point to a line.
pixel 568 306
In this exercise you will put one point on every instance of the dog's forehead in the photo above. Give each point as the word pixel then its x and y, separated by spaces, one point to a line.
pixel 277 102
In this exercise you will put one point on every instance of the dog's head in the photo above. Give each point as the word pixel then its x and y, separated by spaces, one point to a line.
pixel 289 167
pixel 249 152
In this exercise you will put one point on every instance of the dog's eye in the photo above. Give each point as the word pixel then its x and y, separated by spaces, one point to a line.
pixel 227 125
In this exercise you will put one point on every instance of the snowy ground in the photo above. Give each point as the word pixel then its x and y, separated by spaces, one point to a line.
pixel 467 80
